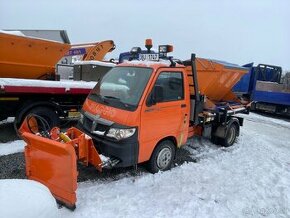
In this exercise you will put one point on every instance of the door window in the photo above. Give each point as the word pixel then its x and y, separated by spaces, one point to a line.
pixel 172 85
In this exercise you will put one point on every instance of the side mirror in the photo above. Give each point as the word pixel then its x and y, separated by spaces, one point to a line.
pixel 157 95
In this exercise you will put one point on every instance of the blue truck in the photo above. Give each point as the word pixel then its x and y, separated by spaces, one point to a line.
pixel 265 87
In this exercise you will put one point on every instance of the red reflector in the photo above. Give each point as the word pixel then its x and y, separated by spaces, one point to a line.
pixel 169 48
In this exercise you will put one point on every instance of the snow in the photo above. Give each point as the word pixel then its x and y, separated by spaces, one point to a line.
pixel 12 147
pixel 149 63
pixel 250 179
pixel 17 33
pixel 68 84
pixel 26 198
pixel 99 63
pixel 82 45
pixel 8 120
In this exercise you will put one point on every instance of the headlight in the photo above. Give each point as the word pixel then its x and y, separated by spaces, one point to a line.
pixel 120 133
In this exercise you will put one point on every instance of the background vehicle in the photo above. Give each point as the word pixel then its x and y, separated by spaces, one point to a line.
pixel 29 81
pixel 266 88
pixel 140 111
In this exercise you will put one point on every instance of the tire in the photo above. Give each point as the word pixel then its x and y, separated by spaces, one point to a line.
pixel 231 136
pixel 47 113
pixel 162 157
pixel 215 140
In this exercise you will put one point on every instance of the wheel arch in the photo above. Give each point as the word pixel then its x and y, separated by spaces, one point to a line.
pixel 170 138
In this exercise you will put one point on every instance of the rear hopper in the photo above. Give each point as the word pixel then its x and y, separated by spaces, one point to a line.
pixel 216 78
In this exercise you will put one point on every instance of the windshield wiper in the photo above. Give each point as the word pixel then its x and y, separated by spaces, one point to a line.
pixel 100 97
pixel 118 99
pixel 112 97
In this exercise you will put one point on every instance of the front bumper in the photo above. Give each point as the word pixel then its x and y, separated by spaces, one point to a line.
pixel 125 150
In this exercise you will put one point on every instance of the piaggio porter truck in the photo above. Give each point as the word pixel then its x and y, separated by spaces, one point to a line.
pixel 140 111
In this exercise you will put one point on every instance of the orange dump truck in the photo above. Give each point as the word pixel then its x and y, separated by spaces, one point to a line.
pixel 140 111
pixel 28 79
pixel 29 58
pixel 34 58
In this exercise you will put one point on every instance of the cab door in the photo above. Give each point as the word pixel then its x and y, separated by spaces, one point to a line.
pixel 165 112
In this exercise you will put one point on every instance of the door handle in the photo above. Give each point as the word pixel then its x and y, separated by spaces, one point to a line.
pixel 183 105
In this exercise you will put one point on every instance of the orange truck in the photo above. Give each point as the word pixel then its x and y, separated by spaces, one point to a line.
pixel 29 81
pixel 143 110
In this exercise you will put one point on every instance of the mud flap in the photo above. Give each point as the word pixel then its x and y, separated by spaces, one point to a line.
pixel 53 164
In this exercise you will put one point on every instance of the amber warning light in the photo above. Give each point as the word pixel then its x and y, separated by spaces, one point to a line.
pixel 148 44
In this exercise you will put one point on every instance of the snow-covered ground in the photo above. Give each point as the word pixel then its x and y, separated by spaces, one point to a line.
pixel 21 198
pixel 250 179
pixel 12 147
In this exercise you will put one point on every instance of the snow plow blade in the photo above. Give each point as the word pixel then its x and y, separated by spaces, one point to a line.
pixel 53 162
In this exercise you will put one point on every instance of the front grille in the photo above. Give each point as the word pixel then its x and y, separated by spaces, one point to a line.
pixel 88 125
pixel 102 127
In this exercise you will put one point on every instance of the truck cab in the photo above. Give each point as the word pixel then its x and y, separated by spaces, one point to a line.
pixel 136 106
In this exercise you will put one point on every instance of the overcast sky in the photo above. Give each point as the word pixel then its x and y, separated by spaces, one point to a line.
pixel 235 31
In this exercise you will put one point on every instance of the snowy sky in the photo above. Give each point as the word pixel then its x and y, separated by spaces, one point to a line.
pixel 236 31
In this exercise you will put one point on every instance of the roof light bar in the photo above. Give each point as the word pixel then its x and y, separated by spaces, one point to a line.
pixel 165 48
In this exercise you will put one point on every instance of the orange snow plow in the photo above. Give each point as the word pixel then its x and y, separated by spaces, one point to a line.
pixel 51 158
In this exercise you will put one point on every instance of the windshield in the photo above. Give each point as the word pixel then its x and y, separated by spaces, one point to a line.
pixel 121 87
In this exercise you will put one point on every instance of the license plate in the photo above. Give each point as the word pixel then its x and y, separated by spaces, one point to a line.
pixel 74 114
pixel 148 57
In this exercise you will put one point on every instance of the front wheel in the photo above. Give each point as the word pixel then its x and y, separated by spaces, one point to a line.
pixel 162 157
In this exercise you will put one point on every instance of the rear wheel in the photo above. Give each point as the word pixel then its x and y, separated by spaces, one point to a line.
pixel 47 113
pixel 162 157
pixel 231 136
